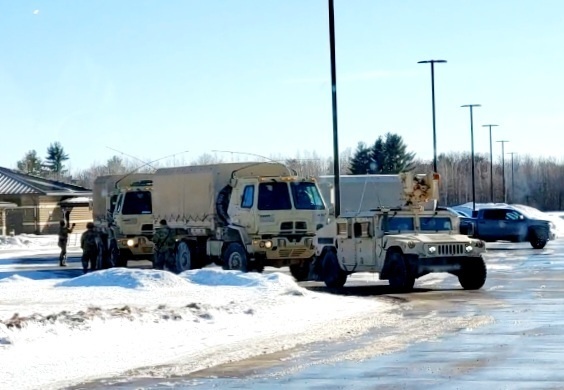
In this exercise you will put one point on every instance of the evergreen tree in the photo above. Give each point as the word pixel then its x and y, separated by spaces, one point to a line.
pixel 361 161
pixel 31 164
pixel 397 159
pixel 55 159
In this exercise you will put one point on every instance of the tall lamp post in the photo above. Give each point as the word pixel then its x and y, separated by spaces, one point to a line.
pixel 491 164
pixel 433 62
pixel 512 179
pixel 336 162
pixel 472 152
pixel 503 169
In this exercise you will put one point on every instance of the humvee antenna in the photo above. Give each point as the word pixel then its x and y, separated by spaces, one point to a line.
pixel 147 164
pixel 129 155
pixel 290 171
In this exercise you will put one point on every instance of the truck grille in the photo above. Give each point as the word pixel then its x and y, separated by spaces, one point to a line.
pixel 301 226
pixel 450 249
pixel 148 227
pixel 291 253
pixel 287 226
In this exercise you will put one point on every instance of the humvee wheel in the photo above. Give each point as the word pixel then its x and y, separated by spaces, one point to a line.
pixel 183 260
pixel 235 257
pixel 333 275
pixel 400 276
pixel 300 271
pixel 472 274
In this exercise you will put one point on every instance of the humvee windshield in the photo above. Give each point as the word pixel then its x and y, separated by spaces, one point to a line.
pixel 400 224
pixel 306 196
pixel 435 224
pixel 137 202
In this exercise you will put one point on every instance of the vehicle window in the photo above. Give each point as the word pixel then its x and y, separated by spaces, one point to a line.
pixel 274 196
pixel 248 197
pixel 435 224
pixel 306 196
pixel 400 224
pixel 137 202
pixel 496 214
pixel 113 202
pixel 512 215
pixel 119 204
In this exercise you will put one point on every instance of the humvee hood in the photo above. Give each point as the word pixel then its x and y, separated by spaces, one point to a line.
pixel 434 238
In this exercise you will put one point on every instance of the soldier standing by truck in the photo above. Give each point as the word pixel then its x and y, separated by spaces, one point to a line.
pixel 164 247
pixel 64 232
pixel 89 245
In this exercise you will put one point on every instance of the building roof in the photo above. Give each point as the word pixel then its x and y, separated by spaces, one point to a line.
pixel 16 183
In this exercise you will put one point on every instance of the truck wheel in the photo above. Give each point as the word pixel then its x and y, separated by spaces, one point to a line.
pixel 537 243
pixel 300 271
pixel 183 257
pixel 400 275
pixel 473 273
pixel 235 257
pixel 333 275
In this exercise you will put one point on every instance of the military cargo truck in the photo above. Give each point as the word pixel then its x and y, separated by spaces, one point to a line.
pixel 400 240
pixel 122 212
pixel 243 216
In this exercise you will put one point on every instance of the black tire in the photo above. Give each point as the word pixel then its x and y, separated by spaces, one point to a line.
pixel 235 258
pixel 473 274
pixel 538 243
pixel 333 275
pixel 300 271
pixel 400 276
pixel 184 260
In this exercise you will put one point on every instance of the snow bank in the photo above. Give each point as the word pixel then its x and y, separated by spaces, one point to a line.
pixel 35 244
pixel 56 333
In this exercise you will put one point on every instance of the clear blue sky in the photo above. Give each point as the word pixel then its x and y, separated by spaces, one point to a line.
pixel 152 78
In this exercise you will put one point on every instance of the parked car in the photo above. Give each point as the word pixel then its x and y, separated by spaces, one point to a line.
pixel 506 223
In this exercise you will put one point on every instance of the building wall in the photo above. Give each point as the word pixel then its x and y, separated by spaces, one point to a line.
pixel 41 215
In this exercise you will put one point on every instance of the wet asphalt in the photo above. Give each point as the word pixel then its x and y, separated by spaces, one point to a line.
pixel 512 337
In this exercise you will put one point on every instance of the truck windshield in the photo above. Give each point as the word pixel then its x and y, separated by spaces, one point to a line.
pixel 274 196
pixel 435 224
pixel 306 196
pixel 137 202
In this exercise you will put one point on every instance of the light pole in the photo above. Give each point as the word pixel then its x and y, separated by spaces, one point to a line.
pixel 503 169
pixel 432 62
pixel 491 164
pixel 512 179
pixel 336 162
pixel 472 152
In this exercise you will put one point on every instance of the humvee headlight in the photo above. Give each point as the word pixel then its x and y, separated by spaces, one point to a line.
pixel 469 248
pixel 130 243
pixel 268 244
pixel 432 249
pixel 411 244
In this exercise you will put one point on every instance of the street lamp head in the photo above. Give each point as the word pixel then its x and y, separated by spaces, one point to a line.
pixel 472 105
pixel 432 61
pixel 489 125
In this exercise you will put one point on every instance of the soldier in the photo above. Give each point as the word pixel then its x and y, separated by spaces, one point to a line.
pixel 89 245
pixel 164 247
pixel 64 232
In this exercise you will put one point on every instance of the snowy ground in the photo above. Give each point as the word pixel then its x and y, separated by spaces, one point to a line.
pixel 59 332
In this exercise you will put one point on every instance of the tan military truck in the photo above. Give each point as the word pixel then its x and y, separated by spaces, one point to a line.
pixel 243 216
pixel 401 240
pixel 122 212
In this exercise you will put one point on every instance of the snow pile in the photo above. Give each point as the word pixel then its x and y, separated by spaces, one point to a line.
pixel 55 333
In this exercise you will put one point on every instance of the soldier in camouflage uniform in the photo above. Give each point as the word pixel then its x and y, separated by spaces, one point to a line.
pixel 89 245
pixel 64 232
pixel 164 247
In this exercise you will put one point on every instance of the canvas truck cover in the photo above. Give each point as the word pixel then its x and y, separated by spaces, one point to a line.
pixel 104 186
pixel 363 192
pixel 186 196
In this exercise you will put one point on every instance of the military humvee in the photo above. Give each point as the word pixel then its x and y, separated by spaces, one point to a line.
pixel 401 242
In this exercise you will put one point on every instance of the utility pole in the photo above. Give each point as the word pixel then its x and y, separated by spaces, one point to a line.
pixel 336 160
pixel 503 169
pixel 512 178
pixel 491 164
pixel 432 62
pixel 472 152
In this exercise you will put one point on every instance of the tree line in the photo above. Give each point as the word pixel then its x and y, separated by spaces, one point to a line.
pixel 536 182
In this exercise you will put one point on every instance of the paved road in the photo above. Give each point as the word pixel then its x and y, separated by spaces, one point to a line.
pixel 520 347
